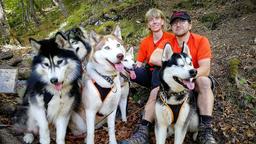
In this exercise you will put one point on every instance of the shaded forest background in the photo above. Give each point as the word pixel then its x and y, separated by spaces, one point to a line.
pixel 230 26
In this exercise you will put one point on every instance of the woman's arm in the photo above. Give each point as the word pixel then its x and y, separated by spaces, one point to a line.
pixel 156 57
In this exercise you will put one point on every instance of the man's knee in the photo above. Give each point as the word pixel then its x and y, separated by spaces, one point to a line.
pixel 203 83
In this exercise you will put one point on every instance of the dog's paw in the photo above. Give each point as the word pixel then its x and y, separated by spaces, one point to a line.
pixel 112 142
pixel 44 140
pixel 28 138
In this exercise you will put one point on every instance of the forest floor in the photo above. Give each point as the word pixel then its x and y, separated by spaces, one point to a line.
pixel 233 39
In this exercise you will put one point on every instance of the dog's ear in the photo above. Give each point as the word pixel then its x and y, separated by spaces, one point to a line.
pixel 117 32
pixel 130 51
pixel 185 49
pixel 61 40
pixel 94 38
pixel 34 44
pixel 167 53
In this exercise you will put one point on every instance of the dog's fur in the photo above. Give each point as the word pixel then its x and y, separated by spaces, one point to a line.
pixel 80 43
pixel 176 77
pixel 53 89
pixel 102 72
pixel 125 76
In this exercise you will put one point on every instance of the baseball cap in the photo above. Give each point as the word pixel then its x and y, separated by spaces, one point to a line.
pixel 181 15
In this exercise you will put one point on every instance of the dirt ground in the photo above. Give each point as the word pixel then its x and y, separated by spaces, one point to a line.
pixel 234 110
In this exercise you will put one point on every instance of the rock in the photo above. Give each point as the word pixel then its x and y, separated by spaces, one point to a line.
pixel 6 55
pixel 15 62
pixel 23 73
pixel 6 137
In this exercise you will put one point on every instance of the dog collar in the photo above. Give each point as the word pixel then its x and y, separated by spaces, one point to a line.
pixel 124 77
pixel 107 78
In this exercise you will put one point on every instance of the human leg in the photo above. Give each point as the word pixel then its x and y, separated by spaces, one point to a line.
pixel 205 102
pixel 141 134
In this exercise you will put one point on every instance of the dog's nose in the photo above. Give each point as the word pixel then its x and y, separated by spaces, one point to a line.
pixel 134 65
pixel 54 80
pixel 193 72
pixel 120 56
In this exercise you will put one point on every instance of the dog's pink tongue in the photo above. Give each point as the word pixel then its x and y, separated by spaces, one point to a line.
pixel 58 86
pixel 132 75
pixel 119 67
pixel 190 84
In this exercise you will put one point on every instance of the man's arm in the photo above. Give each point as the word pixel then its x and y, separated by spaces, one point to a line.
pixel 156 57
pixel 204 67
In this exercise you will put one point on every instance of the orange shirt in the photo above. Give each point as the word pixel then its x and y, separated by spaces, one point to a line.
pixel 147 47
pixel 199 47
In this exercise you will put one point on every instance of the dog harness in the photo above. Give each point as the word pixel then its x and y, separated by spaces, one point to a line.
pixel 103 92
pixel 174 109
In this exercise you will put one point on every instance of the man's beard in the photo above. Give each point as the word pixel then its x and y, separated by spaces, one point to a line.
pixel 183 34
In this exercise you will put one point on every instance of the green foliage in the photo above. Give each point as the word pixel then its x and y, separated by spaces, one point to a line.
pixel 79 15
pixel 249 98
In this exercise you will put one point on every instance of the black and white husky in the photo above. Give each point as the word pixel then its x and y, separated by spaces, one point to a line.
pixel 53 89
pixel 175 107
pixel 102 89
pixel 79 40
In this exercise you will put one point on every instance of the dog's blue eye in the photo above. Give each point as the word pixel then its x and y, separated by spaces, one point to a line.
pixel 59 62
pixel 107 47
pixel 125 60
pixel 118 45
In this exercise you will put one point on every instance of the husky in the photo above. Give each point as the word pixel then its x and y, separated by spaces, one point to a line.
pixel 79 41
pixel 102 89
pixel 175 108
pixel 53 90
pixel 125 76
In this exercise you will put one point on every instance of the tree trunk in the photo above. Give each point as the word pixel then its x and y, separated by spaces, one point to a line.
pixel 33 12
pixel 4 26
pixel 61 5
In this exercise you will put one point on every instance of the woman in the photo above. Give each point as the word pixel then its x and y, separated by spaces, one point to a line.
pixel 148 75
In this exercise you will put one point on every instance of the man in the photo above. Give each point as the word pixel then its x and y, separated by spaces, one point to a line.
pixel 201 57
pixel 148 76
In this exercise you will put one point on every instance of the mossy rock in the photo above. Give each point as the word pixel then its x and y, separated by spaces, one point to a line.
pixel 233 67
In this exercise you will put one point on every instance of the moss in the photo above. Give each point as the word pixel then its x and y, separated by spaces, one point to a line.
pixel 106 27
pixel 233 67
pixel 253 86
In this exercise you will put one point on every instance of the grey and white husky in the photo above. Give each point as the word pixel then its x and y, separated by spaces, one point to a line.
pixel 125 76
pixel 53 89
pixel 176 107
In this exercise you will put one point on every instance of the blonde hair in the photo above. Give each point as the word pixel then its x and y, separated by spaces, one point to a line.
pixel 154 12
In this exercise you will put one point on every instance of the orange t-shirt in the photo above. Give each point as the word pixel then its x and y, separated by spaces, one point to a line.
pixel 199 47
pixel 147 47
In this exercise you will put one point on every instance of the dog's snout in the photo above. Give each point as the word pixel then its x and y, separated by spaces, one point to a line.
pixel 193 72
pixel 120 56
pixel 54 80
